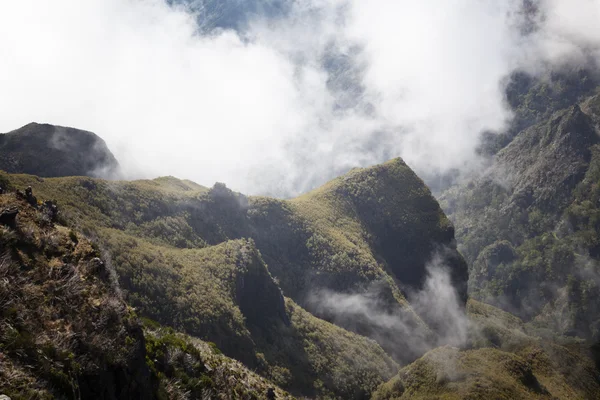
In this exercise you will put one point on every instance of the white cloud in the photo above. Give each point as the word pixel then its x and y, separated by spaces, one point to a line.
pixel 570 30
pixel 435 67
pixel 259 111
pixel 166 100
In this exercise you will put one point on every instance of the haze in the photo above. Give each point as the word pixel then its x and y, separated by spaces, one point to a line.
pixel 286 101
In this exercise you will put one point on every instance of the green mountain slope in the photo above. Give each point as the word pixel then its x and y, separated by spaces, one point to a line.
pixel 196 259
pixel 534 98
pixel 507 361
pixel 325 295
pixel 66 333
pixel 529 227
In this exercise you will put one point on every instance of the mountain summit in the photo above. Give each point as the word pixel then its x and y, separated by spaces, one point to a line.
pixel 48 151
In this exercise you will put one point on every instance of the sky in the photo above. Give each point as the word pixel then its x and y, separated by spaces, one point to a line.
pixel 285 101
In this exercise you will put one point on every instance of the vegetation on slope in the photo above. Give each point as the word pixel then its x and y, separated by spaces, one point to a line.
pixel 533 99
pixel 529 228
pixel 529 231
pixel 188 368
pixel 66 332
pixel 505 362
pixel 223 293
pixel 373 228
pixel 226 295
pixel 195 259
pixel 390 212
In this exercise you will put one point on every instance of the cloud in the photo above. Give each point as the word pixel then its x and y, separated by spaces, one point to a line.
pixel 569 31
pixel 437 303
pixel 166 100
pixel 435 68
pixel 289 101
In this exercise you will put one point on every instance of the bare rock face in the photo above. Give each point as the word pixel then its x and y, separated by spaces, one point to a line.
pixel 53 151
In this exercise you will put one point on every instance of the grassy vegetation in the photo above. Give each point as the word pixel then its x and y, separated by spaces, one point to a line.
pixel 222 272
pixel 62 321
pixel 226 295
pixel 381 212
pixel 375 226
pixel 195 259
pixel 504 362
pixel 181 259
pixel 66 332
pixel 188 368
pixel 530 232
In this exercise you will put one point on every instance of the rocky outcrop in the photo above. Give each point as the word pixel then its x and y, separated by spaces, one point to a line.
pixel 8 217
pixel 260 299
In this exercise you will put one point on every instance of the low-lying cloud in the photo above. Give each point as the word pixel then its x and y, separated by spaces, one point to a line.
pixel 287 102
pixel 437 303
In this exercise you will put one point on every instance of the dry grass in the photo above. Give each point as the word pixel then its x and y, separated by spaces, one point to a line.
pixel 60 320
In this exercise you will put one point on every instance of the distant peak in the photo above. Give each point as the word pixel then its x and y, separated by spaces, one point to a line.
pixel 51 151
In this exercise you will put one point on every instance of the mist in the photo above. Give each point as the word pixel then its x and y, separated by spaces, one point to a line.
pixel 287 100
pixel 436 303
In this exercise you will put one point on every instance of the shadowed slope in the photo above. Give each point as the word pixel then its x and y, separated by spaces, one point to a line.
pixel 529 226
pixel 48 150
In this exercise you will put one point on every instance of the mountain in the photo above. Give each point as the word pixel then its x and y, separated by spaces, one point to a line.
pixel 528 226
pixel 247 273
pixel 35 148
pixel 533 99
pixel 528 229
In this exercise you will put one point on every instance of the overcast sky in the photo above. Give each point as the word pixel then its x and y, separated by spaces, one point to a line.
pixel 285 103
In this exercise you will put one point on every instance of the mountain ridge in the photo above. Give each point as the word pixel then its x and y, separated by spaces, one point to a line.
pixel 211 280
